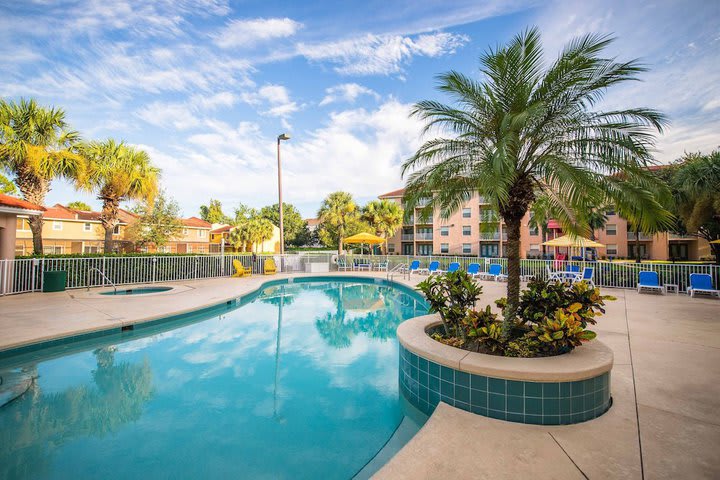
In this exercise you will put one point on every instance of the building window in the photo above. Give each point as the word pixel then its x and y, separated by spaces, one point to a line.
pixel 534 246
pixel 610 212
pixel 444 247
pixel 534 230
pixel 189 249
pixel 116 230
pixel 467 248
pixel 87 227
pixel 611 249
pixel 91 249
pixel 201 233
pixel 53 249
pixel 466 213
pixel 466 230
pixel 444 231
pixel 424 249
pixel 57 225
pixel 391 248
pixel 22 224
pixel 611 229
pixel 185 232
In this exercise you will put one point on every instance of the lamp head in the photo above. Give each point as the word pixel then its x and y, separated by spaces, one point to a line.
pixel 283 136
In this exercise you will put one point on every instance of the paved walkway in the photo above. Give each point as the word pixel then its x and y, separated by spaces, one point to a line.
pixel 666 388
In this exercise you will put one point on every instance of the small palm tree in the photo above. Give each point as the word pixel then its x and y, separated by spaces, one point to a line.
pixel 338 211
pixel 384 216
pixel 528 129
pixel 118 172
pixel 37 147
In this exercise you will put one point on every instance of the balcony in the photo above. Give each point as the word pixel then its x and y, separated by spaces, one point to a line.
pixel 409 221
pixel 492 236
pixel 424 221
pixel 483 201
pixel 488 217
pixel 423 202
pixel 408 237
pixel 424 237
pixel 643 237
pixel 678 236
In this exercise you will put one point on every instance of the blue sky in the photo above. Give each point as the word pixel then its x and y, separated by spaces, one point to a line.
pixel 205 86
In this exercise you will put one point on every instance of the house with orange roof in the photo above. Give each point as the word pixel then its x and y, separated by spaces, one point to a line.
pixel 10 209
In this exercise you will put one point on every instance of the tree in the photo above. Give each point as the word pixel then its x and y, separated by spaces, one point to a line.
pixel 212 212
pixel 695 179
pixel 250 227
pixel 292 220
pixel 261 230
pixel 7 186
pixel 79 205
pixel 540 215
pixel 305 237
pixel 525 130
pixel 118 172
pixel 337 212
pixel 385 216
pixel 158 223
pixel 36 147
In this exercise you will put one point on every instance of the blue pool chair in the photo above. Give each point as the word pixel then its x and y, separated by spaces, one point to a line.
pixel 648 280
pixel 473 269
pixel 414 267
pixel 453 267
pixel 587 276
pixel 701 283
pixel 494 272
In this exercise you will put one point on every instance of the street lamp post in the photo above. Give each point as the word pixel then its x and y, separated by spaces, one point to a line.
pixel 281 137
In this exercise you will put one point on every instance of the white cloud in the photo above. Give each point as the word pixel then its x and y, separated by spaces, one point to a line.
pixel 380 54
pixel 246 33
pixel 274 98
pixel 185 115
pixel 346 92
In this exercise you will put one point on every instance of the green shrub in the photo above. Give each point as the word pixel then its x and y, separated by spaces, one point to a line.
pixel 452 295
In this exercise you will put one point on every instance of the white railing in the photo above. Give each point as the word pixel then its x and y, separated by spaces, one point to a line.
pixel 423 236
pixel 27 275
pixel 408 236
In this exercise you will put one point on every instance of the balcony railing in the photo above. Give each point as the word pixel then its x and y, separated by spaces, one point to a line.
pixel 423 202
pixel 631 236
pixel 423 221
pixel 424 236
pixel 678 236
pixel 409 221
pixel 488 217
pixel 493 236
pixel 408 237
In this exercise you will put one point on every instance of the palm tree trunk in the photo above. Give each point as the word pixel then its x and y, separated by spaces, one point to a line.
pixel 109 218
pixel 36 226
pixel 33 190
pixel 513 289
pixel 637 245
pixel 341 234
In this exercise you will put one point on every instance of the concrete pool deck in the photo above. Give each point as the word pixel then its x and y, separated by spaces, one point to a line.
pixel 665 385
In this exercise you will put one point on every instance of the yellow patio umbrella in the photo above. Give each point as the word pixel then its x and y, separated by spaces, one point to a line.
pixel 716 241
pixel 573 242
pixel 364 237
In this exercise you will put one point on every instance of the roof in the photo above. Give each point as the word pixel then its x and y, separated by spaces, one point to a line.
pixel 195 222
pixel 312 221
pixel 61 212
pixel 223 229
pixel 552 224
pixel 12 202
pixel 395 193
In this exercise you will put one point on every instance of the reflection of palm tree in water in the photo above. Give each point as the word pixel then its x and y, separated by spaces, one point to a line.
pixel 34 425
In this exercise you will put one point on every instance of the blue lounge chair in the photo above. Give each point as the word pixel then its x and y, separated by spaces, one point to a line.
pixel 573 268
pixel 414 267
pixel 701 283
pixel 433 268
pixel 649 281
pixel 473 269
pixel 453 267
pixel 587 276
pixel 494 272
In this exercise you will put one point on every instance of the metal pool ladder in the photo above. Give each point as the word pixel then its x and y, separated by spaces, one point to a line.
pixel 103 275
pixel 400 268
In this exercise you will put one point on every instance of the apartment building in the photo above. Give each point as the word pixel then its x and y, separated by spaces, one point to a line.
pixel 476 229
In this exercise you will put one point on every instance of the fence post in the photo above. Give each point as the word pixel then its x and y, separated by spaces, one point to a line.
pixel 104 275
pixel 154 262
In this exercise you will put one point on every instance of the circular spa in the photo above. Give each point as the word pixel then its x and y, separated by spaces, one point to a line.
pixel 296 380
pixel 569 388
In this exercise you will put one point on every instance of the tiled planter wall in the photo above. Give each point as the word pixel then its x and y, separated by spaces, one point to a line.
pixel 425 383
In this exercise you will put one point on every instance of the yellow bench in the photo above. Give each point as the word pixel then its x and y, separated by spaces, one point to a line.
pixel 270 267
pixel 241 271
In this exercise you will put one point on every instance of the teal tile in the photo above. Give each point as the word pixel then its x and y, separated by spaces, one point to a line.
pixel 577 418
pixel 551 419
pixel 551 406
pixel 515 404
pixel 447 388
pixel 423 378
pixel 577 404
pixel 515 417
pixel 565 419
pixel 434 369
pixel 499 414
pixel 515 388
pixel 423 365
pixel 565 389
pixel 565 406
pixel 478 382
pixel 414 373
pixel 462 405
pixel 433 398
pixel 462 394
pixel 478 398
pixel 449 400
pixel 447 374
pixel 479 410
pixel 434 384
pixel 577 388
pixel 423 393
pixel 533 419
pixel 533 389
pixel 551 390
pixel 588 401
pixel 425 407
pixel 413 360
pixel 496 401
pixel 496 385
pixel 462 379
pixel 598 400
pixel 589 385
pixel 589 415
pixel 533 406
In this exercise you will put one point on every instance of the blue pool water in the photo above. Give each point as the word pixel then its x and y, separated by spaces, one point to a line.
pixel 299 381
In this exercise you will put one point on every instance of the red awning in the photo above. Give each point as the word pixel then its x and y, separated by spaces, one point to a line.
pixel 553 224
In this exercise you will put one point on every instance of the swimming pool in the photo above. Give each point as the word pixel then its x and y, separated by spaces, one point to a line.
pixel 298 380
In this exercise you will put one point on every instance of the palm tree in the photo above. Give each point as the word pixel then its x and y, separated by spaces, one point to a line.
pixel 37 147
pixel 337 211
pixel 527 130
pixel 384 216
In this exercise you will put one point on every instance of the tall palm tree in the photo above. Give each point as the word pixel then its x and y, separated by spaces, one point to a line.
pixel 527 129
pixel 36 147
pixel 118 172
pixel 338 210
pixel 384 216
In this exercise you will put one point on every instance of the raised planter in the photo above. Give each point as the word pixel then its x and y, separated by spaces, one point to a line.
pixel 560 390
